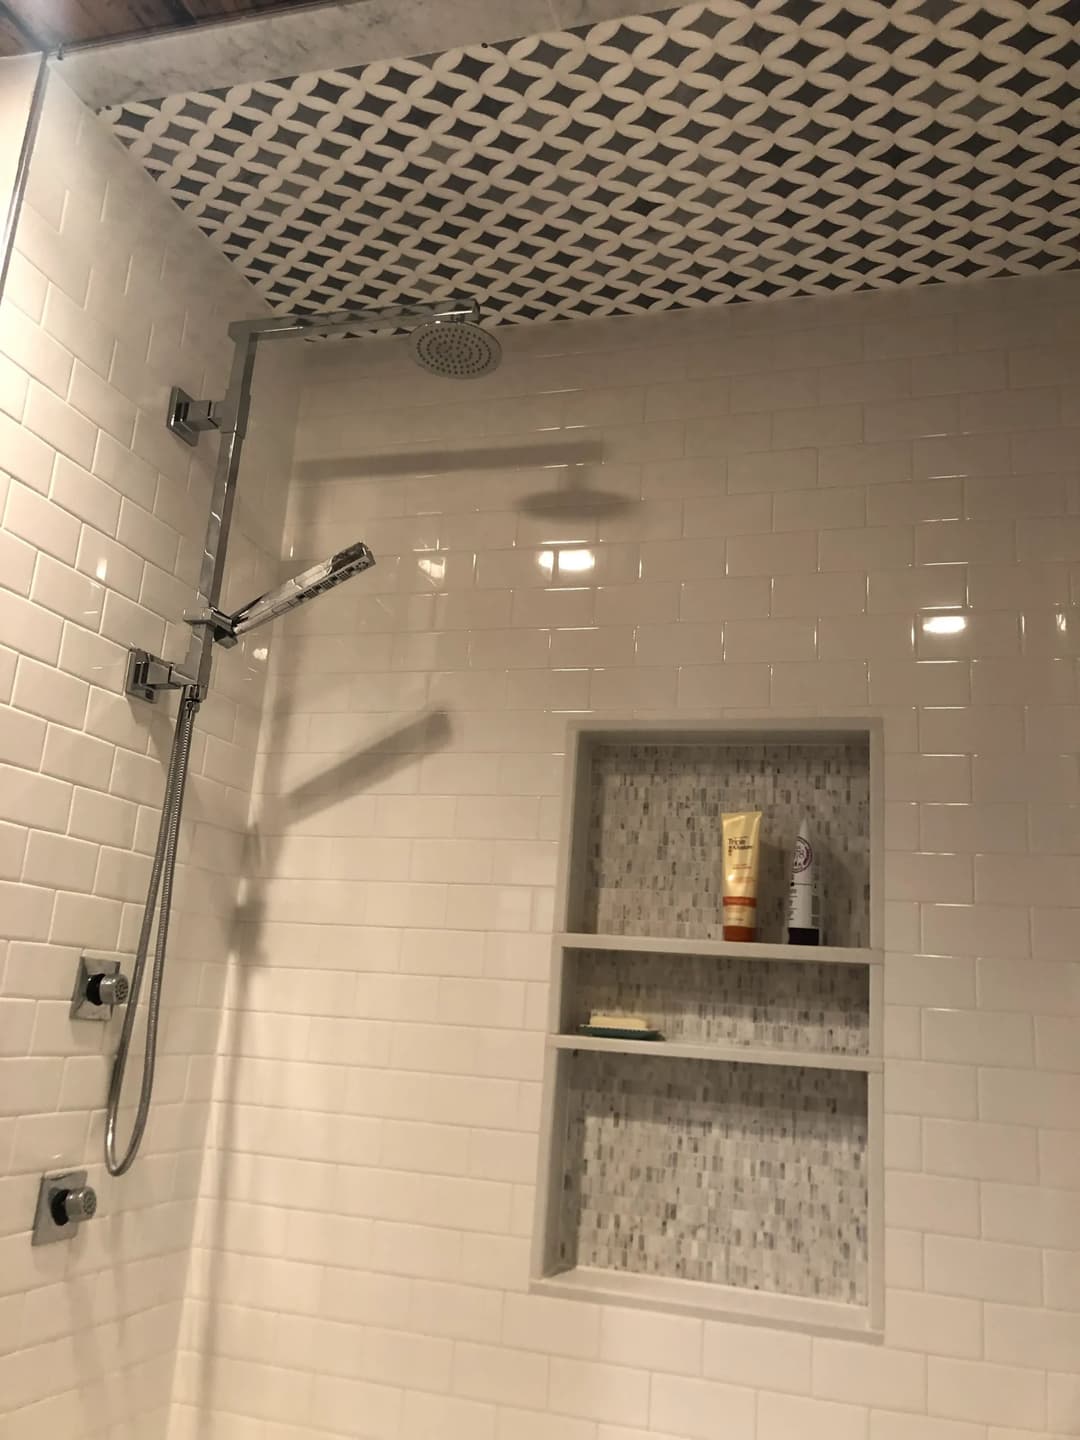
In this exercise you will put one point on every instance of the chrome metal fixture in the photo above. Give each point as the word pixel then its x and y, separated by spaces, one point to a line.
pixel 447 339
pixel 158 905
pixel 64 1201
pixel 455 347
pixel 188 418
pixel 149 675
pixel 227 629
pixel 100 986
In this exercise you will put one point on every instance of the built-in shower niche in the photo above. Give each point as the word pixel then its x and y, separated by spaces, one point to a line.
pixel 727 1162
pixel 724 1001
pixel 744 1176
pixel 651 820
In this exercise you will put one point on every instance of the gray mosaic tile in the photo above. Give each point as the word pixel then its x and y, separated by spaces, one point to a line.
pixel 744 1175
pixel 702 1000
pixel 653 861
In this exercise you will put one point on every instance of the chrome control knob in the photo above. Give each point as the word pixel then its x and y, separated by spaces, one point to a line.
pixel 69 1206
pixel 100 985
pixel 107 989
pixel 64 1201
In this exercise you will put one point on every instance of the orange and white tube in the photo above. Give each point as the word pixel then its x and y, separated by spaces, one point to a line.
pixel 742 851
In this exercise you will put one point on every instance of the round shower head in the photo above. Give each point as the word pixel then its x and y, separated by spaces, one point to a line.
pixel 456 349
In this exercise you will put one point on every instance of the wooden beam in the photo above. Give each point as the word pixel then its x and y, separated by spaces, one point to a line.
pixel 73 22
pixel 15 39
pixel 27 25
pixel 209 10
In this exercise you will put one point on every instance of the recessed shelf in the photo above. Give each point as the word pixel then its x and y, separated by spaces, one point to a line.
pixel 649 828
pixel 740 1054
pixel 751 1177
pixel 734 1168
pixel 764 950
pixel 719 1302
pixel 722 1000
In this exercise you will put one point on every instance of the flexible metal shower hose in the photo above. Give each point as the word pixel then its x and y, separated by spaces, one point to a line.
pixel 162 873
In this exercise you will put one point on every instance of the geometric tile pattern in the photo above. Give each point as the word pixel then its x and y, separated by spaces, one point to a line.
pixel 653 860
pixel 705 1000
pixel 713 152
pixel 746 1175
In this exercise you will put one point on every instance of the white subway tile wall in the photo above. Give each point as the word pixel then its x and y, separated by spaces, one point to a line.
pixel 798 507
pixel 111 298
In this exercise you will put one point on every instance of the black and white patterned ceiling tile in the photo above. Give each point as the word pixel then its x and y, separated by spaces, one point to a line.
pixel 730 150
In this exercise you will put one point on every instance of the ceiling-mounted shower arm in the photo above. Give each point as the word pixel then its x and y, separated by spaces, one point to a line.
pixel 189 418
pixel 342 322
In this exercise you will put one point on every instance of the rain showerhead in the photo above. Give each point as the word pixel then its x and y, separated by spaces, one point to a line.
pixel 305 586
pixel 457 349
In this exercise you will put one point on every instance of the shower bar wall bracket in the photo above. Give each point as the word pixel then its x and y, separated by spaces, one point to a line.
pixel 148 675
pixel 187 418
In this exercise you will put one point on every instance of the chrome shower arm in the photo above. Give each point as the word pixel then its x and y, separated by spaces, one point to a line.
pixel 342 322
pixel 188 418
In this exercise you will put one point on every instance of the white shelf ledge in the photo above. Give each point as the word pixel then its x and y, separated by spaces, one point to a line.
pixel 763 950
pixel 744 1054
pixel 695 1297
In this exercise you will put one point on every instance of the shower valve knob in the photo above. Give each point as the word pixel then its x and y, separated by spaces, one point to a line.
pixel 69 1206
pixel 107 989
pixel 100 985
pixel 64 1201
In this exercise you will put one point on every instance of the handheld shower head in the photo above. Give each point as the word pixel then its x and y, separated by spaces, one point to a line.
pixel 311 582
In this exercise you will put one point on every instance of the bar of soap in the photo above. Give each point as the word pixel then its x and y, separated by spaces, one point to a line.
pixel 601 1021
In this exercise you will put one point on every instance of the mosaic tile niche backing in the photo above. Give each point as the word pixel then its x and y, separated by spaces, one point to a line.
pixel 653 865
pixel 744 1175
pixel 791 1004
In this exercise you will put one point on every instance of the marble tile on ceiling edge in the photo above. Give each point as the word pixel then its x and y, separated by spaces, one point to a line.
pixel 267 46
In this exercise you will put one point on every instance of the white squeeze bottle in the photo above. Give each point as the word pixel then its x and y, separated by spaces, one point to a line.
pixel 804 900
